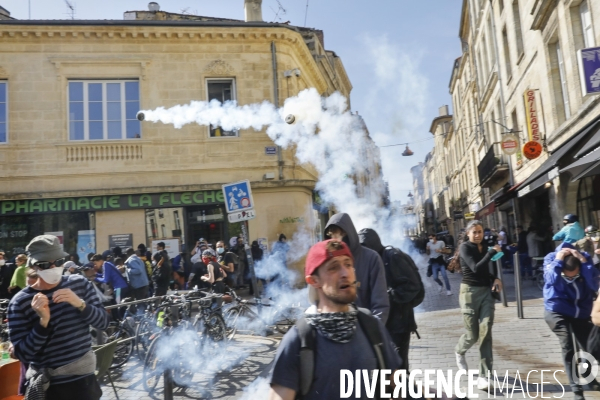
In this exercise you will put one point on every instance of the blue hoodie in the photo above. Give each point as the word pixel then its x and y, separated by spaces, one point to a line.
pixel 570 233
pixel 572 299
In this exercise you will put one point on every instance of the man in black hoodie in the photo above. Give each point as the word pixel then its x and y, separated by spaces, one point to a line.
pixel 372 292
pixel 401 321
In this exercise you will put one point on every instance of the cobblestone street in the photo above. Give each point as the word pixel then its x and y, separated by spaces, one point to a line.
pixel 521 345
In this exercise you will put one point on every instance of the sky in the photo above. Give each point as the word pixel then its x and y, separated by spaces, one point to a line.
pixel 398 55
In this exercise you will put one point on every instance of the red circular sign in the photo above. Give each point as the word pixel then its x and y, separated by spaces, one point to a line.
pixel 532 150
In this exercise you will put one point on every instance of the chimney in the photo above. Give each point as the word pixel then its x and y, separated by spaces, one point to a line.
pixel 253 10
pixel 444 111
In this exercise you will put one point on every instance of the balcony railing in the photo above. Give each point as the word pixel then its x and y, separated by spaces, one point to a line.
pixel 493 166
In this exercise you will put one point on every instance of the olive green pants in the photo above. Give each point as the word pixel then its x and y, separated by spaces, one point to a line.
pixel 477 308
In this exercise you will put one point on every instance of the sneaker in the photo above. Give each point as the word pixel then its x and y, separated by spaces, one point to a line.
pixel 578 395
pixel 449 293
pixel 483 384
pixel 461 361
pixel 441 289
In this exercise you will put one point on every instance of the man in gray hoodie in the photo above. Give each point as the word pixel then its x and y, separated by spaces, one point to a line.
pixel 372 292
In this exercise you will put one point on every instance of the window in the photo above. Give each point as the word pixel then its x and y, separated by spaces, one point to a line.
pixel 3 111
pixel 161 214
pixel 563 81
pixel 222 90
pixel 104 110
pixel 177 220
pixel 501 2
pixel 586 24
pixel 518 31
pixel 163 230
pixel 153 228
pixel 507 63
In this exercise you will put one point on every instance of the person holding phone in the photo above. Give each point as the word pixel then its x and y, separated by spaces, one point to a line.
pixel 476 300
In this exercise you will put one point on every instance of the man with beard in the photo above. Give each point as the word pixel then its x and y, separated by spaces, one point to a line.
pixel 341 337
pixel 372 289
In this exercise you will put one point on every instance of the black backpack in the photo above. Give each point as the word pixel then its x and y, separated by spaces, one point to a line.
pixel 307 336
pixel 405 286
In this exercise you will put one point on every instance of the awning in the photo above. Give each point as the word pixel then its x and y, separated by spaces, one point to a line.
pixel 508 194
pixel 582 165
pixel 555 157
pixel 539 182
pixel 487 210
pixel 591 145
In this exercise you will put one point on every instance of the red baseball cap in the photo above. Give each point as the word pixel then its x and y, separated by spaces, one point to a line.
pixel 318 255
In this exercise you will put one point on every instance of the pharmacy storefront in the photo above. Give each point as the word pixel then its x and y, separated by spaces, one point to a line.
pixel 93 224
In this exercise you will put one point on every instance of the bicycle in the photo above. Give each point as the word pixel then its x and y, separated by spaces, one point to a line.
pixel 241 315
pixel 172 348
pixel 209 321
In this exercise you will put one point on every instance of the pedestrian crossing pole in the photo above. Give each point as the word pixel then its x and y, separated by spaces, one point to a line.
pixel 518 285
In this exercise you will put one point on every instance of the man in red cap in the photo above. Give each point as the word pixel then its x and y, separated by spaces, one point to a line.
pixel 339 331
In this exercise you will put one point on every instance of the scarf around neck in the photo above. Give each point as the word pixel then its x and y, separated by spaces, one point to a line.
pixel 338 327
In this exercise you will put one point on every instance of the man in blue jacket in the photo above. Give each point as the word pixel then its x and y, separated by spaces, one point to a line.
pixel 571 282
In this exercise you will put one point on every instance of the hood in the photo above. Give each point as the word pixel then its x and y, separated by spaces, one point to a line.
pixel 369 238
pixel 344 221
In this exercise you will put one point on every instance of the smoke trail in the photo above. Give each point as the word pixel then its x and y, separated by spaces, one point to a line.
pixel 325 135
pixel 259 389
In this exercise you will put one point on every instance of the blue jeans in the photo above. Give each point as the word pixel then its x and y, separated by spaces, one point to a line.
pixel 435 268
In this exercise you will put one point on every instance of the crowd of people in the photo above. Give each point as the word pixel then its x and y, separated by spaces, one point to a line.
pixel 362 296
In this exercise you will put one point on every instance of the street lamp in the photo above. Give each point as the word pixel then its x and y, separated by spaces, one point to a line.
pixel 407 152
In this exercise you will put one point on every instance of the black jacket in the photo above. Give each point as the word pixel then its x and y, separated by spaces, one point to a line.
pixel 372 293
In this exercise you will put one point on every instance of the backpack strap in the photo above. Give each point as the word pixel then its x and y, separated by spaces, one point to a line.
pixel 370 326
pixel 306 333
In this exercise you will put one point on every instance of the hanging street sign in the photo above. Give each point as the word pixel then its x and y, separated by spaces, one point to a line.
pixel 510 144
pixel 589 70
pixel 532 150
pixel 533 115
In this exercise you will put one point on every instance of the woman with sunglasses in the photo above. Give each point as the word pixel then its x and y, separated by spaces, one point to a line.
pixel 570 284
pixel 49 326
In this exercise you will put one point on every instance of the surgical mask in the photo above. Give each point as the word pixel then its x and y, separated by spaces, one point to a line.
pixel 2 262
pixel 220 250
pixel 570 279
pixel 52 275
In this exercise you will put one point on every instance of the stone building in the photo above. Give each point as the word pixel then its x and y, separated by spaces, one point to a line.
pixel 520 76
pixel 74 158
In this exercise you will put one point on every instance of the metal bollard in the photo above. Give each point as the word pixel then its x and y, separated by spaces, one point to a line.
pixel 517 264
pixel 501 277
pixel 168 378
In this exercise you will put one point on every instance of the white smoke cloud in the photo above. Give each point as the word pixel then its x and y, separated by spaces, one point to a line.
pixel 325 135
pixel 396 108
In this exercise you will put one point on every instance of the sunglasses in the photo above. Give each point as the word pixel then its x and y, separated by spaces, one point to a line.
pixel 47 264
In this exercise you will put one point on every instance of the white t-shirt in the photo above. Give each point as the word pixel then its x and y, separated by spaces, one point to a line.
pixel 435 246
pixel 502 239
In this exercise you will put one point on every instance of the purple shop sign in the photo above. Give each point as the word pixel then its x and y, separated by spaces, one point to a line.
pixel 589 70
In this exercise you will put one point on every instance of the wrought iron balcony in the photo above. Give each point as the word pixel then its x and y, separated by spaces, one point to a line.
pixel 493 167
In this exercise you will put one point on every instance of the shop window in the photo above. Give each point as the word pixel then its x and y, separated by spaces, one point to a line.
pixel 103 110
pixel 153 228
pixel 221 90
pixel 3 111
pixel 163 231
pixel 588 201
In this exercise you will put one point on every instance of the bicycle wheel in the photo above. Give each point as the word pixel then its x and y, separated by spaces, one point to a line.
pixel 152 367
pixel 231 317
pixel 539 280
pixel 215 327
pixel 142 337
pixel 124 349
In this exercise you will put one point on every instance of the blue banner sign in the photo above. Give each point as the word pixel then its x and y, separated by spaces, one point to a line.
pixel 589 70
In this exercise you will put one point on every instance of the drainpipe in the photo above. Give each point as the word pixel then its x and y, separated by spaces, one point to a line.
pixel 276 102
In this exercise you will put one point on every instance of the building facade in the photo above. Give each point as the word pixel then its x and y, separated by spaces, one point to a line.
pixel 76 161
pixel 519 79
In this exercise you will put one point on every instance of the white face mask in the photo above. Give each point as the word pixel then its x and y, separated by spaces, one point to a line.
pixel 51 276
pixel 220 250
pixel 2 262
